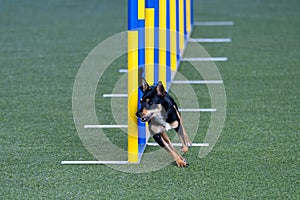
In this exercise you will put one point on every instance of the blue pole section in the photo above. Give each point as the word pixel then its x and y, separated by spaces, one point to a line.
pixel 192 14
pixel 177 32
pixel 155 4
pixel 141 62
pixel 184 20
pixel 132 14
pixel 168 47
pixel 149 3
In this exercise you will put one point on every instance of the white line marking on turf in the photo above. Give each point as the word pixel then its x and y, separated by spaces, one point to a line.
pixel 105 126
pixel 179 144
pixel 197 110
pixel 114 95
pixel 198 82
pixel 220 23
pixel 205 59
pixel 181 110
pixel 210 40
pixel 123 70
pixel 93 162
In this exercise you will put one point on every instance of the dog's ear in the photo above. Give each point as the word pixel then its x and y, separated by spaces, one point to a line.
pixel 144 86
pixel 160 89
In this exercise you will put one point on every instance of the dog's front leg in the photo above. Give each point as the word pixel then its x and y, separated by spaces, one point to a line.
pixel 170 149
pixel 180 161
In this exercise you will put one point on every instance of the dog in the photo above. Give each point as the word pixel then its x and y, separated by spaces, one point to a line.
pixel 160 110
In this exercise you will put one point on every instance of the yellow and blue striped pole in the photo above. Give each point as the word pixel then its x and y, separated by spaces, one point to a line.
pixel 192 13
pixel 168 45
pixel 136 59
pixel 149 43
pixel 157 34
pixel 156 4
pixel 177 20
pixel 141 61
pixel 132 80
pixel 188 16
pixel 163 41
pixel 181 26
pixel 173 35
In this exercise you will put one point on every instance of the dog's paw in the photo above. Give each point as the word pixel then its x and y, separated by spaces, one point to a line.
pixel 181 162
pixel 184 149
pixel 189 144
pixel 168 127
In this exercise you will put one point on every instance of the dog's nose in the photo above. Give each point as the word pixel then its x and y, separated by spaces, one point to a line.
pixel 138 115
pixel 144 119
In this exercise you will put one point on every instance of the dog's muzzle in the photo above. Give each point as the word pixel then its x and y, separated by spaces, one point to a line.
pixel 143 118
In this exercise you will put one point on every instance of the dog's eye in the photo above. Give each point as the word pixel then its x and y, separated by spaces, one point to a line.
pixel 150 102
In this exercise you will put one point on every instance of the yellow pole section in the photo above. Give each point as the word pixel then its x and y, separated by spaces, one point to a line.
pixel 181 26
pixel 163 41
pixel 188 16
pixel 133 151
pixel 149 45
pixel 173 42
pixel 141 9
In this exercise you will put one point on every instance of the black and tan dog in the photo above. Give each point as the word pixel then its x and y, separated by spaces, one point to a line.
pixel 160 110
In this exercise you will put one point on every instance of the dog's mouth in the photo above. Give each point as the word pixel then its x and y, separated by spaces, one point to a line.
pixel 147 117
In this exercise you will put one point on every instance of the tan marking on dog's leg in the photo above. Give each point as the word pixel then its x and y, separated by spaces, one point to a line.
pixel 168 141
pixel 181 136
pixel 180 161
pixel 174 124
pixel 186 137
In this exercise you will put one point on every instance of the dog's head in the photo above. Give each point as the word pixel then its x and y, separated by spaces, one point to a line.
pixel 152 101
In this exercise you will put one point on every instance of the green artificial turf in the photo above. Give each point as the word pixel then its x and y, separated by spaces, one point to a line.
pixel 42 45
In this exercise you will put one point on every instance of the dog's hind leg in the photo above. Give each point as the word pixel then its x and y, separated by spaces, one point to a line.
pixel 185 135
pixel 182 139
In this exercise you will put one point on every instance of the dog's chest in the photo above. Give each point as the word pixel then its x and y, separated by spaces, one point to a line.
pixel 161 120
